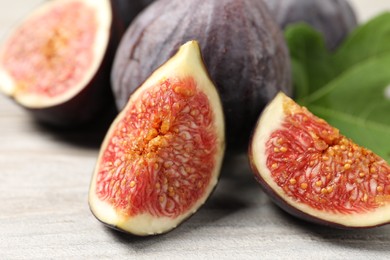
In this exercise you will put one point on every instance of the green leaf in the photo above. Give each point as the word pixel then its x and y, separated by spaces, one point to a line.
pixel 310 59
pixel 349 88
pixel 371 39
pixel 313 66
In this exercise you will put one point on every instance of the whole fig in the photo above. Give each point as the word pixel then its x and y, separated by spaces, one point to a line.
pixel 333 18
pixel 242 45
pixel 128 9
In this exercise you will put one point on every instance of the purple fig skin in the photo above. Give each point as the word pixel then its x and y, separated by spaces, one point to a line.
pixel 96 96
pixel 242 45
pixel 129 9
pixel 335 19
pixel 281 203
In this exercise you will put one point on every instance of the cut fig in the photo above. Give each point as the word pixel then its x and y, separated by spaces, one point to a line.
pixel 335 19
pixel 162 155
pixel 314 172
pixel 56 62
pixel 242 45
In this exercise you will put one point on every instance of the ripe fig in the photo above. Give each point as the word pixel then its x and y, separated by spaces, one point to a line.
pixel 128 9
pixel 242 45
pixel 335 19
pixel 162 155
pixel 56 62
pixel 314 172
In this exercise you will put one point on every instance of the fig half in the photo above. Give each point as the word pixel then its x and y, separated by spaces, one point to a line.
pixel 162 155
pixel 314 172
pixel 56 62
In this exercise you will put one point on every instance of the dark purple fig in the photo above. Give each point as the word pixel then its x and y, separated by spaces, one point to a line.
pixel 335 19
pixel 242 45
pixel 313 172
pixel 128 9
pixel 56 63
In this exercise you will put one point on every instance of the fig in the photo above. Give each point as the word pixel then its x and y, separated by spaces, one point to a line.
pixel 129 9
pixel 162 155
pixel 242 45
pixel 335 19
pixel 313 172
pixel 56 63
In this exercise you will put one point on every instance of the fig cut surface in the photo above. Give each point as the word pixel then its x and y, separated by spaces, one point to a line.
pixel 51 55
pixel 314 172
pixel 162 155
pixel 56 62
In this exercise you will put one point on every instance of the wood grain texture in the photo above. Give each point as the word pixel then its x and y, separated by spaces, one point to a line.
pixel 44 214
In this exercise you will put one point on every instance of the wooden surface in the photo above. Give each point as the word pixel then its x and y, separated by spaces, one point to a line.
pixel 44 179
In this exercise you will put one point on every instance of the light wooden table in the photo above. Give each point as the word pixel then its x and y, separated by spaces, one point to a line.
pixel 44 179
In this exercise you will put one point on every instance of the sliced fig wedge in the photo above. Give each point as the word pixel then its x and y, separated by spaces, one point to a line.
pixel 162 155
pixel 314 172
pixel 56 62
